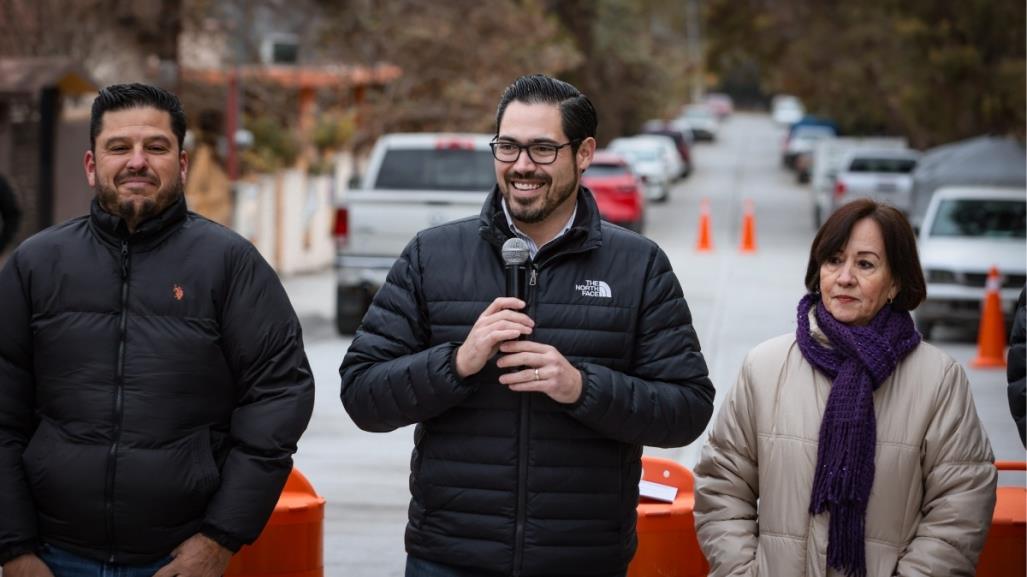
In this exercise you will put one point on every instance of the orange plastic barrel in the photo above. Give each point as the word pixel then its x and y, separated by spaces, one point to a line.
pixel 1005 551
pixel 292 543
pixel 667 544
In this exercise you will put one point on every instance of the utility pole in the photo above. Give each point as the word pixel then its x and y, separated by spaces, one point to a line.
pixel 695 51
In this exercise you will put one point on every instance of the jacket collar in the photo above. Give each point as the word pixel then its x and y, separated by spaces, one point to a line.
pixel 584 234
pixel 113 229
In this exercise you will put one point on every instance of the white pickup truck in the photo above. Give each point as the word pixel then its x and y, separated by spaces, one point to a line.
pixel 885 175
pixel 412 182
pixel 829 157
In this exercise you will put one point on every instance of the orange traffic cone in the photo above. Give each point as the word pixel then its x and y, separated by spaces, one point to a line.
pixel 748 229
pixel 705 243
pixel 991 336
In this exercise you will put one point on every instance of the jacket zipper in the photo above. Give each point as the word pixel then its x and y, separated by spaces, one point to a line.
pixel 522 453
pixel 119 383
pixel 525 413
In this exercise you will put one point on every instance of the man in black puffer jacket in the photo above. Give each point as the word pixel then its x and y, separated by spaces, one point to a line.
pixel 527 463
pixel 1015 369
pixel 153 383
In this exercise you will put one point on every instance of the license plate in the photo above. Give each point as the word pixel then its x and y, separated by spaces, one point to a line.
pixel 887 187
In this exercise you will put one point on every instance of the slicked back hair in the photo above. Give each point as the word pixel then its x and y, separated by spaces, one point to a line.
pixel 899 247
pixel 124 96
pixel 579 120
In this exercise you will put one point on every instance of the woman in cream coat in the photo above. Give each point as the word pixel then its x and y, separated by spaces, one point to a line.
pixel 849 447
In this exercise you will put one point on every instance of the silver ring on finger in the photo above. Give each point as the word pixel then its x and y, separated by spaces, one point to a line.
pixel 537 377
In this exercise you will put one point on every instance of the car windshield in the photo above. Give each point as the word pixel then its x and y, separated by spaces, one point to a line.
pixel 813 132
pixel 639 154
pixel 981 218
pixel 884 165
pixel 437 169
pixel 602 170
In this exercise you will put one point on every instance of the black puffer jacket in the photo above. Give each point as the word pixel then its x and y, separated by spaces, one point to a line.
pixel 1015 370
pixel 518 484
pixel 152 386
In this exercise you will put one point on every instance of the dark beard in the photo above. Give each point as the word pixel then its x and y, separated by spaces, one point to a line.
pixel 134 213
pixel 532 215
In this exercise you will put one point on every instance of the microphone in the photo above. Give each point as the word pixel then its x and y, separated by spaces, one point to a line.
pixel 515 254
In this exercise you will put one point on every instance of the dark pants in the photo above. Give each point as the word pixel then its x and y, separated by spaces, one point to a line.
pixel 421 568
pixel 65 564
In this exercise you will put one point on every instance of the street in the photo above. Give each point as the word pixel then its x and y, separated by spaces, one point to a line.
pixel 737 301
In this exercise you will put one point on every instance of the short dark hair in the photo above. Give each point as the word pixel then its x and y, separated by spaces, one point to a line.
pixel 899 246
pixel 124 96
pixel 579 120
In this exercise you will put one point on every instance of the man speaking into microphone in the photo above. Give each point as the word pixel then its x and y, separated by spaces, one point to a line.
pixel 532 406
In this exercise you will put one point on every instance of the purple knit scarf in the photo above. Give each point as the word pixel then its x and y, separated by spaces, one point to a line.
pixel 859 360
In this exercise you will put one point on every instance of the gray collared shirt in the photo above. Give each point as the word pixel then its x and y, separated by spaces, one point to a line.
pixel 532 247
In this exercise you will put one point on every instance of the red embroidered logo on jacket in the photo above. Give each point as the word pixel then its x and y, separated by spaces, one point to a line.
pixel 178 292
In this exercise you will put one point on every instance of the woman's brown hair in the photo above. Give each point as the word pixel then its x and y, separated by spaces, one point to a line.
pixel 899 246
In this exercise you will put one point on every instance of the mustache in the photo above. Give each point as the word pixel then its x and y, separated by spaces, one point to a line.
pixel 146 175
pixel 528 176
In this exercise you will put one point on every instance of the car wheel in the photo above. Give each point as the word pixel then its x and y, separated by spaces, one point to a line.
pixel 926 329
pixel 925 326
pixel 351 304
pixel 664 194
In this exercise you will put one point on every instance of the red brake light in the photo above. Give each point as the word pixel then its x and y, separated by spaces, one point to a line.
pixel 839 189
pixel 341 229
pixel 453 144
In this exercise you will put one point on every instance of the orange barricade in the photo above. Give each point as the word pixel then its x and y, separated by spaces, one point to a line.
pixel 1005 551
pixel 292 543
pixel 667 545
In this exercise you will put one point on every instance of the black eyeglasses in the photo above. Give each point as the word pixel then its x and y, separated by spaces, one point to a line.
pixel 539 152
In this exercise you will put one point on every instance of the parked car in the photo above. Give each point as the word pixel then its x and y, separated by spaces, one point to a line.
pixel 679 124
pixel 617 189
pixel 681 142
pixel 721 104
pixel 649 157
pixel 965 232
pixel 826 161
pixel 412 182
pixel 802 160
pixel 701 119
pixel 882 174
pixel 801 141
pixel 786 109
pixel 978 161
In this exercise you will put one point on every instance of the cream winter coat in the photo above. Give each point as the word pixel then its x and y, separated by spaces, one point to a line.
pixel 934 488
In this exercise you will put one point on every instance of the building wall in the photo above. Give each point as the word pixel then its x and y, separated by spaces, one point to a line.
pixel 71 191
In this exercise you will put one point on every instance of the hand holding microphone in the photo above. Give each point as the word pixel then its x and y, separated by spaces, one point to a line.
pixel 534 367
pixel 502 320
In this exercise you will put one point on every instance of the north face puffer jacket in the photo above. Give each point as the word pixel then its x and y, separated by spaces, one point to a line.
pixel 516 483
pixel 152 385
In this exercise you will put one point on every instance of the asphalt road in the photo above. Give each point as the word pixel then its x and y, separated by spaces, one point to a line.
pixel 737 301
